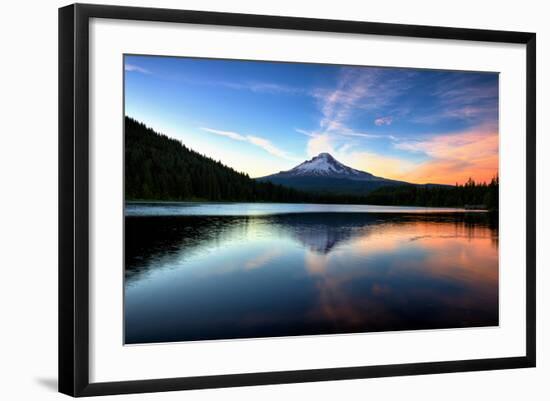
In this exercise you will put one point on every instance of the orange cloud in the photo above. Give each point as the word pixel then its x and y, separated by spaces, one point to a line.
pixel 457 253
pixel 453 171
pixel 455 158
pixel 263 258
pixel 383 166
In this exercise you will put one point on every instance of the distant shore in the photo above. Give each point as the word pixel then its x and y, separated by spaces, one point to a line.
pixel 469 208
pixel 163 207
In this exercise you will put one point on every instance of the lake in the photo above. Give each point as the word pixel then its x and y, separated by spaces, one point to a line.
pixel 259 209
pixel 207 271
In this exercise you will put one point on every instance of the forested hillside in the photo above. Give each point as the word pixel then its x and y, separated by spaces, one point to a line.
pixel 161 168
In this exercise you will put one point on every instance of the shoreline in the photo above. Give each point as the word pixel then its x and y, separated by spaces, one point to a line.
pixel 167 208
pixel 450 208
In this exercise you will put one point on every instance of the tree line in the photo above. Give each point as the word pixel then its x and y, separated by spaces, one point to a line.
pixel 161 168
pixel 471 194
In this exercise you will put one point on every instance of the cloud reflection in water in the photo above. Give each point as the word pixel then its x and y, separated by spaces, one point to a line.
pixel 193 278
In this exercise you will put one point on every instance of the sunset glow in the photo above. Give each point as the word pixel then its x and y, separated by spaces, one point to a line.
pixel 419 126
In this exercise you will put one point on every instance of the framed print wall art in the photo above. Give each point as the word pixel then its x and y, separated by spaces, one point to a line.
pixel 250 199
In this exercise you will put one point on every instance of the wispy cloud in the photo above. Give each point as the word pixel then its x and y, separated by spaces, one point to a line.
pixel 368 135
pixel 358 90
pixel 455 146
pixel 228 134
pixel 463 98
pixel 261 87
pixel 320 143
pixel 473 114
pixel 383 121
pixel 264 87
pixel 262 143
pixel 136 68
pixel 268 147
pixel 306 132
pixel 327 142
pixel 465 89
pixel 337 104
pixel 345 131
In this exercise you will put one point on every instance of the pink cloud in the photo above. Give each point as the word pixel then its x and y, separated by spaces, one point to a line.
pixel 455 157
pixel 383 121
pixel 462 146
pixel 135 68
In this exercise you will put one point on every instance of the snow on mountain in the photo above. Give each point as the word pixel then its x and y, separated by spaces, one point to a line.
pixel 325 174
pixel 324 165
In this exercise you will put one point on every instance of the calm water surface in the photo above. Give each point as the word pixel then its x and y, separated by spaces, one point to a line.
pixel 262 209
pixel 209 271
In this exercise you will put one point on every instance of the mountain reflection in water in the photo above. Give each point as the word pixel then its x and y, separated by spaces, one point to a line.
pixel 203 278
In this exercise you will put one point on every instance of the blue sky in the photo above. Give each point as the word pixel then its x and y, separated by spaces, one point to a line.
pixel 264 117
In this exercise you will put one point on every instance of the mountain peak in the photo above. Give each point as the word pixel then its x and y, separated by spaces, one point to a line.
pixel 325 156
pixel 325 165
pixel 323 173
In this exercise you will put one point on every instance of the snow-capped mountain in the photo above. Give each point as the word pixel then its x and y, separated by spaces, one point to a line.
pixel 324 173
pixel 324 165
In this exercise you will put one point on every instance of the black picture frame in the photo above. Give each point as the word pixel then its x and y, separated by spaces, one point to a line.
pixel 74 198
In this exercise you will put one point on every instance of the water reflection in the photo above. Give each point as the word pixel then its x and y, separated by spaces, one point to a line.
pixel 198 277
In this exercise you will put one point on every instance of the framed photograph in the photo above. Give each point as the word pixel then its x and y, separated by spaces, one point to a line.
pixel 250 199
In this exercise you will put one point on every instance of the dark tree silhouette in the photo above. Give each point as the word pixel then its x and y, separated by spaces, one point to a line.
pixel 162 168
